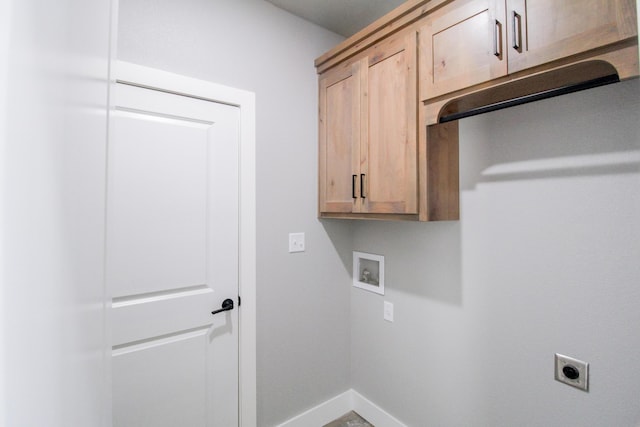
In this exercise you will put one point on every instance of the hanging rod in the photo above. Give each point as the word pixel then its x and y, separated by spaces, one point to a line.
pixel 550 93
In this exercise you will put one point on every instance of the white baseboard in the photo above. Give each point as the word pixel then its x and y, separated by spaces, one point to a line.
pixel 372 412
pixel 336 407
pixel 323 413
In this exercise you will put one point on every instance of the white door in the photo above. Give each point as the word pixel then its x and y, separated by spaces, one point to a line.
pixel 172 258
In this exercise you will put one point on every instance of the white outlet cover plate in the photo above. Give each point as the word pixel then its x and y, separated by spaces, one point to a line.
pixel 296 242
pixel 388 311
pixel 582 382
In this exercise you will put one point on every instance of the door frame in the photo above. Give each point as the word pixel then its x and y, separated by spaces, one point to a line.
pixel 126 72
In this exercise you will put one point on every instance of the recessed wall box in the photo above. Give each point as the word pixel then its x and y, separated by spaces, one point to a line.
pixel 368 272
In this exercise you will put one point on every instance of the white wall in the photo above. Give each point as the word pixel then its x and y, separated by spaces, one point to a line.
pixel 303 302
pixel 545 259
pixel 53 107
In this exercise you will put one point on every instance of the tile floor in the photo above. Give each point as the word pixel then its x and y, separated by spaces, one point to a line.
pixel 350 419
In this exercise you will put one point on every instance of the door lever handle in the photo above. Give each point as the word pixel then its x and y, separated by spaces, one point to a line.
pixel 226 306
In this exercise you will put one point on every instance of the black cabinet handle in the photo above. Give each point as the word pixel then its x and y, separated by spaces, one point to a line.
pixel 362 186
pixel 353 186
pixel 226 306
pixel 497 39
pixel 517 30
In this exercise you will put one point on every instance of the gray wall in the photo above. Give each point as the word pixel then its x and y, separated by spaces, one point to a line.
pixel 53 118
pixel 545 259
pixel 303 299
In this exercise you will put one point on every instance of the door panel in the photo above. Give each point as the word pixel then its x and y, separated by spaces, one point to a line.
pixel 389 146
pixel 167 375
pixel 160 184
pixel 462 45
pixel 552 29
pixel 339 139
pixel 172 258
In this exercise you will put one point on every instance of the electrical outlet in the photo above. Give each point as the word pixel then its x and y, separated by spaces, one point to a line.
pixel 296 242
pixel 388 311
pixel 572 372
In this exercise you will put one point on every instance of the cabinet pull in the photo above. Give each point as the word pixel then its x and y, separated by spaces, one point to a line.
pixel 362 186
pixel 496 43
pixel 517 29
pixel 353 186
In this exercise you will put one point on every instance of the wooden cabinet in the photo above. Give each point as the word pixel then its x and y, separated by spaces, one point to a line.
pixel 541 31
pixel 368 132
pixel 339 152
pixel 469 42
pixel 391 95
pixel 460 46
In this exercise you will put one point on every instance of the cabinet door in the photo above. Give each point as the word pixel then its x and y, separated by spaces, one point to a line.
pixel 541 31
pixel 339 139
pixel 462 45
pixel 388 155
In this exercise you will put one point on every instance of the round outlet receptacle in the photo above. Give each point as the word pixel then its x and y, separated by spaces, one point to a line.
pixel 571 372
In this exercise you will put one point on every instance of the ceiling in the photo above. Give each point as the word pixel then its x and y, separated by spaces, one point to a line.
pixel 345 17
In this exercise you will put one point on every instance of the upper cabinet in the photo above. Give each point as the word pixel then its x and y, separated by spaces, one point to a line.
pixel 368 132
pixel 461 45
pixel 541 31
pixel 473 41
pixel 391 95
pixel 339 147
